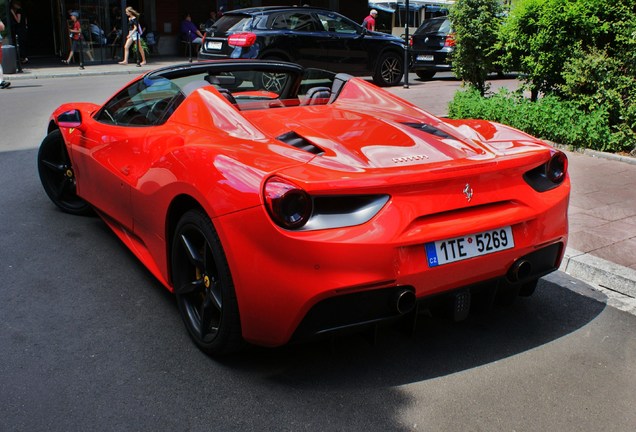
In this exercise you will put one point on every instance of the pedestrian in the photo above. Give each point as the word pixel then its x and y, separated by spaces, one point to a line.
pixel 189 30
pixel 210 21
pixel 134 36
pixel 19 28
pixel 75 33
pixel 3 84
pixel 369 22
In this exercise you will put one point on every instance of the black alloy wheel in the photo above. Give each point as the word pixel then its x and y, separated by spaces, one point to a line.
pixel 389 70
pixel 57 175
pixel 203 285
pixel 273 82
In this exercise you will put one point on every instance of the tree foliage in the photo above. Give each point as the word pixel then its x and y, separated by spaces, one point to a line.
pixel 476 25
pixel 581 53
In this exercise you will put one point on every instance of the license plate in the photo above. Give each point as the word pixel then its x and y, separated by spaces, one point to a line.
pixel 424 58
pixel 460 248
pixel 214 45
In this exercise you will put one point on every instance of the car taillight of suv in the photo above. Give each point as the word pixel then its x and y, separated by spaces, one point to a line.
pixel 242 40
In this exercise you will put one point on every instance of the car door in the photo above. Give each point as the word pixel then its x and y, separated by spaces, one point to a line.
pixel 297 34
pixel 347 51
pixel 113 154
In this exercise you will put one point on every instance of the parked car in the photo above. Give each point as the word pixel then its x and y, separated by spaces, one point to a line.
pixel 280 203
pixel 431 45
pixel 308 36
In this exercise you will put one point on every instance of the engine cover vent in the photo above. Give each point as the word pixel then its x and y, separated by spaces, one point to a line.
pixel 429 129
pixel 295 140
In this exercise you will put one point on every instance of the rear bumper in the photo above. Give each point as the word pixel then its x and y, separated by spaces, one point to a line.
pixel 207 56
pixel 351 311
pixel 302 284
pixel 436 60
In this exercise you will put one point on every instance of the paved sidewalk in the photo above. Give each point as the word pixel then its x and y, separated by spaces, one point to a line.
pixel 602 244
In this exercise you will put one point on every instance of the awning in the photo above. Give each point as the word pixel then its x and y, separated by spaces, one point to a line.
pixel 390 6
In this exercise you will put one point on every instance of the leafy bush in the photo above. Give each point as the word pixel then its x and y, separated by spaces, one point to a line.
pixel 580 51
pixel 476 25
pixel 548 118
pixel 144 46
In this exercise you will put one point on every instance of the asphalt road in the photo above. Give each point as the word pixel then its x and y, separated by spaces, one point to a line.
pixel 90 341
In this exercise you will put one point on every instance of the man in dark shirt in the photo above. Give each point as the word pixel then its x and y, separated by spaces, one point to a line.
pixel 189 31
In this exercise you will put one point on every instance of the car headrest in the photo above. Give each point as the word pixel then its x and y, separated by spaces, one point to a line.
pixel 317 95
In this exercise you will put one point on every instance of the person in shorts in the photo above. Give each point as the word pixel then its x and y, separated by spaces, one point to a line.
pixel 75 33
pixel 134 36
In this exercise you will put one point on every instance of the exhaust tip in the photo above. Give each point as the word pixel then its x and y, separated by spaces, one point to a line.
pixel 520 270
pixel 405 301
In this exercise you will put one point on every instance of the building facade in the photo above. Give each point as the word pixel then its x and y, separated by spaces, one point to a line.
pixel 48 21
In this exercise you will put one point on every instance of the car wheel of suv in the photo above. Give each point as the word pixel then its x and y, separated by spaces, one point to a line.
pixel 425 74
pixel 389 70
pixel 273 82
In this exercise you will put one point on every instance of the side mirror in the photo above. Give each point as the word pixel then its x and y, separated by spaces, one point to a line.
pixel 70 119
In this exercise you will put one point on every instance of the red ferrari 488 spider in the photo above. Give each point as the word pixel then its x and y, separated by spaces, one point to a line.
pixel 280 203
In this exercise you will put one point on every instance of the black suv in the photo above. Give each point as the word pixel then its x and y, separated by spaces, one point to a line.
pixel 431 46
pixel 311 37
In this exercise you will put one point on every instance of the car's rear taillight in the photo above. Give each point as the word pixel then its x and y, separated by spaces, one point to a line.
pixel 288 205
pixel 557 167
pixel 450 40
pixel 548 175
pixel 241 40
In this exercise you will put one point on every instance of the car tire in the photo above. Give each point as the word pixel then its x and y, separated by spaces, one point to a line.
pixel 57 175
pixel 203 286
pixel 389 70
pixel 425 75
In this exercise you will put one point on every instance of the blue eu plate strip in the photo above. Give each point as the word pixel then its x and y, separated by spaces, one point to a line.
pixel 431 254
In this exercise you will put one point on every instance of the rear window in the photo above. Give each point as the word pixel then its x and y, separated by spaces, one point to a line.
pixel 232 23
pixel 435 26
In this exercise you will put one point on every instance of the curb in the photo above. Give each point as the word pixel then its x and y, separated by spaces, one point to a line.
pixel 77 73
pixel 606 274
pixel 595 153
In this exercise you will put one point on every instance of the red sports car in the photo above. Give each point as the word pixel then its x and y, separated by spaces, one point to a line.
pixel 280 203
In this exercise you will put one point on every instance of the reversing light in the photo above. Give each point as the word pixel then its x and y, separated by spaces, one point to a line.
pixel 557 167
pixel 241 40
pixel 288 205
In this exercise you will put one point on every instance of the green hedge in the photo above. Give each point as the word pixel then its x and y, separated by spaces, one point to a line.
pixel 549 118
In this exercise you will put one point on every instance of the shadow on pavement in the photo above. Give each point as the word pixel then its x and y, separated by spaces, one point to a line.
pixel 438 347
